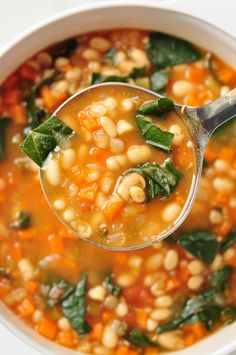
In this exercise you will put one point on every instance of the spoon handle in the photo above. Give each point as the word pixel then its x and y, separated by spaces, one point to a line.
pixel 217 112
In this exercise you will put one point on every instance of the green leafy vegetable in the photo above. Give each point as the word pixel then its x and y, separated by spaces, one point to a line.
pixel 220 278
pixel 201 244
pixel 138 339
pixel 229 313
pixel 58 292
pixel 35 114
pixel 164 50
pixel 138 73
pixel 3 271
pixel 98 78
pixel 22 221
pixel 228 241
pixel 43 139
pixel 74 307
pixel 161 180
pixel 111 287
pixel 154 135
pixel 110 56
pixel 159 80
pixel 65 49
pixel 4 123
pixel 157 107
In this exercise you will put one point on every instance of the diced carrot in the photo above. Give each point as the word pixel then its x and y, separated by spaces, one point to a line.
pixel 56 243
pixel 48 98
pixel 12 97
pixel 67 338
pixel 195 75
pixel 59 99
pixel 70 264
pixel 47 328
pixel 173 283
pixel 198 329
pixel 189 339
pixel 222 197
pixel 97 332
pixel 26 308
pixel 133 352
pixel 224 228
pixel 192 99
pixel 184 274
pixel 32 286
pixel 210 154
pixel 18 114
pixel 227 154
pixel 27 72
pixel 65 68
pixel 112 208
pixel 223 71
pixel 108 316
pixel 89 193
pixel 4 289
pixel 99 155
pixel 151 351
pixel 91 124
pixel 10 82
pixel 122 350
pixel 141 317
pixel 16 252
pixel 121 258
pixel 27 234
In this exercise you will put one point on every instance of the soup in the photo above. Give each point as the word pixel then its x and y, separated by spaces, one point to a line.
pixel 108 184
pixel 165 297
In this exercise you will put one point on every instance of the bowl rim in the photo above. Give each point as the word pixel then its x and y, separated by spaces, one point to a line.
pixel 11 325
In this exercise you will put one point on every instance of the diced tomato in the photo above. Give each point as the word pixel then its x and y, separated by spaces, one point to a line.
pixel 137 295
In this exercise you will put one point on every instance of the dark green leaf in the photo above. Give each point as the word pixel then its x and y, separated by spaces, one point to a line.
pixel 157 107
pixel 139 339
pixel 138 73
pixel 164 50
pixel 4 123
pixel 74 307
pixel 3 271
pixel 228 241
pixel 201 244
pixel 110 56
pixel 154 135
pixel 229 313
pixel 208 316
pixel 98 78
pixel 65 49
pixel 111 287
pixel 159 80
pixel 220 278
pixel 22 221
pixel 43 139
pixel 58 292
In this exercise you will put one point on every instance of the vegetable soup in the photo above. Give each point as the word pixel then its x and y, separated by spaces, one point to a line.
pixel 96 301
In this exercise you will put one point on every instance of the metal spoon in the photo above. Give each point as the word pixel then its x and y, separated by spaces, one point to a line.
pixel 201 122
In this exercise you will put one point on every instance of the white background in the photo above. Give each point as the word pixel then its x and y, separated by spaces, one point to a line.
pixel 18 15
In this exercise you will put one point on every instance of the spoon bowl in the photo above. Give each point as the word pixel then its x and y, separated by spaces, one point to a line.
pixel 201 122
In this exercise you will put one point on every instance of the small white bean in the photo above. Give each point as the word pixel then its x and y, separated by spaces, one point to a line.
pixel 122 309
pixel 69 215
pixel 229 254
pixel 215 216
pixel 116 145
pixel 164 301
pixel 139 56
pixel 53 172
pixel 60 87
pixel 171 341
pixel 109 338
pixel 44 59
pixel 26 269
pixel 106 184
pixel 37 315
pixel 120 57
pixel 221 165
pixel 161 314
pixel 110 103
pixel 216 263
pixel 63 324
pixel 127 66
pixel 223 184
pixel 68 158
pixel 175 129
pixel 154 262
pixel 101 139
pixel 137 194
pixel 115 162
pixel 171 212
pixel 59 204
pixel 97 110
pixel 139 153
pixel 84 229
pixel 91 54
pixel 126 279
pixel 181 88
pixel 73 75
pixel 135 261
pixel 171 260
pixel 195 282
pixel 61 63
pixel 110 302
pixel 124 127
pixel 127 105
pixel 94 66
pixel 151 324
pixel 100 44
pixel 97 293
pixel 133 179
pixel 195 267
pixel 109 126
pixel 100 199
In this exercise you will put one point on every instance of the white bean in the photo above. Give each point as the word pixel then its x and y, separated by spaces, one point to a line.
pixel 151 324
pixel 100 199
pixel 223 184
pixel 181 88
pixel 63 324
pixel 101 139
pixel 221 165
pixel 171 341
pixel 164 301
pixel 133 179
pixel 171 260
pixel 116 145
pixel 154 262
pixel 161 314
pixel 139 153
pixel 61 62
pixel 110 103
pixel 195 267
pixel 53 172
pixel 84 229
pixel 73 75
pixel 99 43
pixel 127 105
pixel 124 127
pixel 68 158
pixel 59 204
pixel 115 162
pixel 215 216
pixel 26 269
pixel 109 126
pixel 97 293
pixel 137 194
pixel 69 215
pixel 106 183
pixel 171 212
pixel 195 282
pixel 91 54
pixel 216 263
pixel 122 309
pixel 126 279
pixel 139 56
pixel 97 110
pixel 109 338
pixel 135 261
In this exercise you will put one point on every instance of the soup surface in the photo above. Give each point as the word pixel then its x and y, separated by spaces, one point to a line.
pixel 108 184
pixel 164 297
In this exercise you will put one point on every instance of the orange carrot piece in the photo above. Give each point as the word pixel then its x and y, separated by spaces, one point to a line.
pixel 18 114
pixel 47 328
pixel 26 308
pixel 151 351
pixel 97 332
pixel 91 124
pixel 10 82
pixel 108 316
pixel 48 98
pixel 28 73
pixel 67 338
pixel 122 350
pixel 224 228
pixel 89 193
pixel 227 154
pixel 133 352
pixel 198 329
pixel 4 289
pixel 12 97
pixel 173 283
pixel 141 317
pixel 210 154
pixel 27 234
pixel 120 258
pixel 16 252
pixel 99 155
pixel 195 75
pixel 56 243
pixel 192 99
pixel 112 208
pixel 189 339
pixel 32 286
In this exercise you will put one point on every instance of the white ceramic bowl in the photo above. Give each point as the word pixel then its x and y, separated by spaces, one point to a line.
pixel 107 16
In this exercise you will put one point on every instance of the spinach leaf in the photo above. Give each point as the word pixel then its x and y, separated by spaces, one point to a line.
pixel 157 107
pixel 138 339
pixel 228 241
pixel 58 292
pixel 161 180
pixel 164 50
pixel 138 73
pixel 201 244
pixel 43 139
pixel 111 287
pixel 220 278
pixel 22 221
pixel 154 135
pixel 110 56
pixel 159 80
pixel 229 313
pixel 65 49
pixel 4 123
pixel 98 78
pixel 74 307
pixel 35 114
